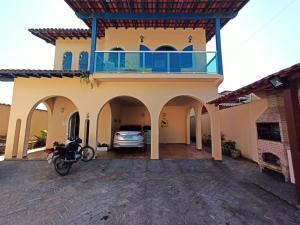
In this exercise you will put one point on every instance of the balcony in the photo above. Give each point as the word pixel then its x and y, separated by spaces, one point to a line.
pixel 156 62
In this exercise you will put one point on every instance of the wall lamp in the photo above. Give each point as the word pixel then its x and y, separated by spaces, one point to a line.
pixel 142 38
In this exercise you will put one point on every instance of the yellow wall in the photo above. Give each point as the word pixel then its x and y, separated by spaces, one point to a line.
pixel 129 39
pixel 239 124
pixel 61 111
pixel 39 121
pixel 4 116
pixel 105 125
pixel 175 131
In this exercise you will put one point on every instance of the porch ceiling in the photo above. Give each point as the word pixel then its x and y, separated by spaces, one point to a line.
pixel 129 13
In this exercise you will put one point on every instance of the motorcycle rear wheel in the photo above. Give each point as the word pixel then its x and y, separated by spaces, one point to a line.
pixel 87 153
pixel 61 167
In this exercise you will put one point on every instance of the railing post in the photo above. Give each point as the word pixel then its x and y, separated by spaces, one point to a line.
pixel 144 62
pixel 218 45
pixel 168 62
pixel 93 45
pixel 119 61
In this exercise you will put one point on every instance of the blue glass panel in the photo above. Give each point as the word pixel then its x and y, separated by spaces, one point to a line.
pixel 83 61
pixel 160 62
pixel 99 61
pixel 174 62
pixel 186 60
pixel 67 61
pixel 148 57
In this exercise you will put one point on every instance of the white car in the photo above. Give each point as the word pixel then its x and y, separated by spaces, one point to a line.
pixel 129 136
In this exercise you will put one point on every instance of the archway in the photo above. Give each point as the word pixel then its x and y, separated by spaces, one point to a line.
pixel 175 125
pixel 120 112
pixel 50 120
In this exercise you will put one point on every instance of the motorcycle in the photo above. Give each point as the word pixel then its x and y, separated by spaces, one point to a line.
pixel 63 156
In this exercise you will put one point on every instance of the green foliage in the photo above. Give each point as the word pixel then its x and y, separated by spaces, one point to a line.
pixel 102 145
pixel 228 147
pixel 85 78
pixel 41 139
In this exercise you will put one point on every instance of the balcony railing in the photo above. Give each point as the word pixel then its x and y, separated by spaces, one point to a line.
pixel 155 62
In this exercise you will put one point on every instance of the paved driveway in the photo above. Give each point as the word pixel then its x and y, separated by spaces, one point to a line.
pixel 144 192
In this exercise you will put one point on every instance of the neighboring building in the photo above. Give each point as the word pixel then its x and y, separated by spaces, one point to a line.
pixel 272 122
pixel 147 62
pixel 39 120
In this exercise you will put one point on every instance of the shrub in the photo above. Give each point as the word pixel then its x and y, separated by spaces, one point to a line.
pixel 41 139
pixel 228 147
pixel 102 145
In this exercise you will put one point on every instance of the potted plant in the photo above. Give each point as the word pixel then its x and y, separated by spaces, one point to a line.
pixel 235 153
pixel 228 147
pixel 102 147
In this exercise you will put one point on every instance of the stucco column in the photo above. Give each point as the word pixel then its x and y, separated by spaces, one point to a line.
pixel 215 131
pixel 198 128
pixel 12 139
pixel 82 126
pixel 188 126
pixel 154 136
pixel 24 137
pixel 93 130
pixel 50 131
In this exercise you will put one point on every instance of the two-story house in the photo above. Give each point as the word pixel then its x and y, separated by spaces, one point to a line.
pixel 139 62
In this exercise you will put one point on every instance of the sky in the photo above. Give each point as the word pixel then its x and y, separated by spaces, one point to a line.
pixel 261 40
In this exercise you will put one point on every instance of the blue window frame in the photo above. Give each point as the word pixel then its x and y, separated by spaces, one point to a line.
pixel 148 57
pixel 186 59
pixel 67 61
pixel 83 61
pixel 113 57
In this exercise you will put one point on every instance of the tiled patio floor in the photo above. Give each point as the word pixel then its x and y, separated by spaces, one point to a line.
pixel 167 151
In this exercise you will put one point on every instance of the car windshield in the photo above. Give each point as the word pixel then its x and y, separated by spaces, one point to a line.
pixel 130 128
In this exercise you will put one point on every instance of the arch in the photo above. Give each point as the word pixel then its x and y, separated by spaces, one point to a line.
pixel 121 110
pixel 175 127
pixel 114 57
pixel 181 95
pixel 50 105
pixel 165 48
pixel 121 95
pixel 83 60
pixel 67 61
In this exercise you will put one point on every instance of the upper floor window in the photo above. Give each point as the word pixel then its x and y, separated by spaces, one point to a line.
pixel 67 61
pixel 268 131
pixel 114 57
pixel 83 61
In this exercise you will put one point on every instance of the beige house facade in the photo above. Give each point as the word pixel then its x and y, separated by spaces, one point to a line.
pixel 148 67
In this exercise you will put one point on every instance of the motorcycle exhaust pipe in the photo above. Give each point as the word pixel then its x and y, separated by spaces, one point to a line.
pixel 70 160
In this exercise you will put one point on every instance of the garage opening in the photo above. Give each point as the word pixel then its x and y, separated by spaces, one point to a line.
pixel 124 130
pixel 180 129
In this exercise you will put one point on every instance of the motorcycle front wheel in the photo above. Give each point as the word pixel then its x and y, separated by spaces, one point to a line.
pixel 87 153
pixel 61 167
